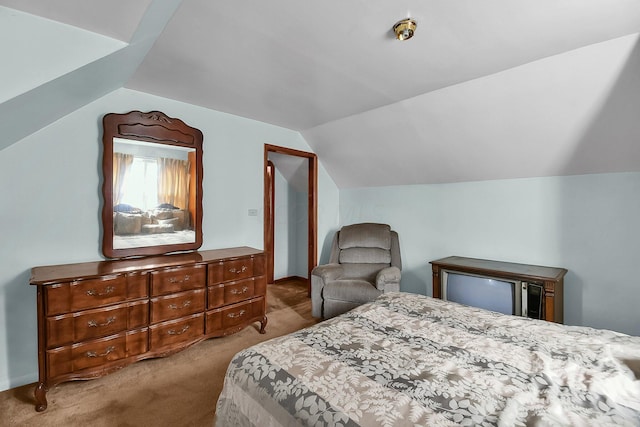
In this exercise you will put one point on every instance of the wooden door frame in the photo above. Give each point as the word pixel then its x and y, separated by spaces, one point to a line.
pixel 312 211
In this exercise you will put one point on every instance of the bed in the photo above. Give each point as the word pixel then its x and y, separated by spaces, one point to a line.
pixel 407 359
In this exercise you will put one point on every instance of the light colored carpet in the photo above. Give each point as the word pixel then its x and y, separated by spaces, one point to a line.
pixel 180 390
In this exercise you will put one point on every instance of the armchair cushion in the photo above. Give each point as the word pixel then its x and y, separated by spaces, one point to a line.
pixel 363 271
pixel 365 255
pixel 350 290
pixel 365 236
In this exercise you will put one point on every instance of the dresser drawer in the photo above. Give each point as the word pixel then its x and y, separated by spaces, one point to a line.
pixel 64 360
pixel 82 294
pixel 227 317
pixel 236 291
pixel 177 305
pixel 178 279
pixel 89 324
pixel 235 269
pixel 183 330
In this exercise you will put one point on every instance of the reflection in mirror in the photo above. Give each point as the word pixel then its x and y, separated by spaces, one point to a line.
pixel 152 166
pixel 151 194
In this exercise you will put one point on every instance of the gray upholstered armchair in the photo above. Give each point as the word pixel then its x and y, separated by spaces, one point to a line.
pixel 365 262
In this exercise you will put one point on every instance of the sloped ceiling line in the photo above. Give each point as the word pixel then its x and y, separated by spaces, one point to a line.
pixel 45 103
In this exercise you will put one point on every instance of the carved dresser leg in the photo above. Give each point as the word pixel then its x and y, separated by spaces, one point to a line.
pixel 263 324
pixel 40 394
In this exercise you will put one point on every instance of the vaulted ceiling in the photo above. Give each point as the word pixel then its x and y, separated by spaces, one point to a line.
pixel 486 89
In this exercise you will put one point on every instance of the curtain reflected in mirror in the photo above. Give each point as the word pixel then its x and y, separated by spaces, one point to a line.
pixel 151 194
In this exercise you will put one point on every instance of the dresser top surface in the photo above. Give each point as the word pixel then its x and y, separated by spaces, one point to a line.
pixel 44 275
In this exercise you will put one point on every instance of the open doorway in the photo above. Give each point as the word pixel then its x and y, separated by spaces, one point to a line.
pixel 281 161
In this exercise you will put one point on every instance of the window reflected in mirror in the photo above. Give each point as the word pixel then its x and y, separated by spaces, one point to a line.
pixel 151 194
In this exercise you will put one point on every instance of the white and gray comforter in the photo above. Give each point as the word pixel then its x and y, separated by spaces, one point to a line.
pixel 407 360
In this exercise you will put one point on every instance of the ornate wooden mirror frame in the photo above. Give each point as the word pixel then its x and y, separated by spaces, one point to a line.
pixel 152 189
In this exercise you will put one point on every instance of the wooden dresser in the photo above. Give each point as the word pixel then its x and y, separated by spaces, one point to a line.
pixel 95 318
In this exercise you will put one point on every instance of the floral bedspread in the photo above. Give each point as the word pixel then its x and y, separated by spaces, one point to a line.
pixel 407 360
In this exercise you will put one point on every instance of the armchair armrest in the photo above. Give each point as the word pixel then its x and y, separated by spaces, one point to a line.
pixel 320 275
pixel 388 279
pixel 327 271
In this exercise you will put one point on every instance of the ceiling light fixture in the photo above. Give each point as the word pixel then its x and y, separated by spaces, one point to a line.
pixel 404 29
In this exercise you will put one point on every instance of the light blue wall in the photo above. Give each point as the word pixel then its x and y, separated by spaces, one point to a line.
pixel 588 224
pixel 38 50
pixel 282 217
pixel 50 207
pixel 302 238
pixel 290 236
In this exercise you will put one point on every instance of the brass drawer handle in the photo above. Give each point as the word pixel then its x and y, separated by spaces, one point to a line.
pixel 108 290
pixel 237 291
pixel 176 307
pixel 109 349
pixel 95 324
pixel 238 270
pixel 238 314
pixel 174 332
pixel 186 278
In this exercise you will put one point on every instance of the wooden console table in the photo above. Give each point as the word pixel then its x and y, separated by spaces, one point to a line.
pixel 551 278
pixel 95 318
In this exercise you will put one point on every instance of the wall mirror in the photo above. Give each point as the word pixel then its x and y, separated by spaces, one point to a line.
pixel 152 189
